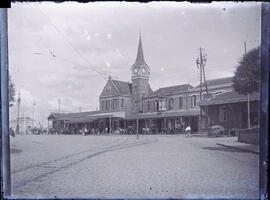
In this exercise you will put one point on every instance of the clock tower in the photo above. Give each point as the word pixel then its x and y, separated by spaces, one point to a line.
pixel 139 76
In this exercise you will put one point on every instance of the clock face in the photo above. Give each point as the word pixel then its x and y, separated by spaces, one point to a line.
pixel 144 70
pixel 135 70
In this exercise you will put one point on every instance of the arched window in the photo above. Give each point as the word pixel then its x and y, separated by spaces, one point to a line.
pixel 180 102
pixel 170 104
pixel 193 101
pixel 148 106
pixel 122 103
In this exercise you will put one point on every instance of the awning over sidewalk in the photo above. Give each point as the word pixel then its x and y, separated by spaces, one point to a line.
pixel 93 117
pixel 177 113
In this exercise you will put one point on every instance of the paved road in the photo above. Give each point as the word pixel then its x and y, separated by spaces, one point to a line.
pixel 122 167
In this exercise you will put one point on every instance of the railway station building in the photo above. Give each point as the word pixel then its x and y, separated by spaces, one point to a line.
pixel 123 105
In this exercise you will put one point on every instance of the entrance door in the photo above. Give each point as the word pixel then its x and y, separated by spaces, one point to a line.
pixel 194 124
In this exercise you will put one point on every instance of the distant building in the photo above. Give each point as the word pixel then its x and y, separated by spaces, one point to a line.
pixel 168 108
pixel 25 125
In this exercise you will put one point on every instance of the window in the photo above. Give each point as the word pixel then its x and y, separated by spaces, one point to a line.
pixel 193 101
pixel 148 106
pixel 170 104
pixel 108 88
pixel 223 112
pixel 102 105
pixel 122 103
pixel 161 105
pixel 180 102
pixel 114 105
pixel 107 105
pixel 205 96
pixel 156 106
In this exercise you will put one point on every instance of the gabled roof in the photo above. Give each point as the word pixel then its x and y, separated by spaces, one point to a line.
pixel 150 91
pixel 69 116
pixel 229 97
pixel 122 87
pixel 218 81
pixel 171 90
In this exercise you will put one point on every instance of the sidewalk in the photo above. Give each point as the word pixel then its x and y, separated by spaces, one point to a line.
pixel 233 143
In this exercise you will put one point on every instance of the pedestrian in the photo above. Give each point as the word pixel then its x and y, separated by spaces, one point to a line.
pixel 188 131
pixel 92 131
pixel 11 132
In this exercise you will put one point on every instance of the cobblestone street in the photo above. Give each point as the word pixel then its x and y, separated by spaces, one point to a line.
pixel 156 166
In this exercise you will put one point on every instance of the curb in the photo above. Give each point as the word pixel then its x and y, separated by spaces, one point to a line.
pixel 239 148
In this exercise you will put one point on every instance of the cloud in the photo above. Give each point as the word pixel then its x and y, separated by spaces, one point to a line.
pixel 109 36
pixel 171 35
pixel 108 64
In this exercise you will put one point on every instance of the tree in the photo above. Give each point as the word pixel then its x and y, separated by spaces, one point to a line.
pixel 247 76
pixel 11 92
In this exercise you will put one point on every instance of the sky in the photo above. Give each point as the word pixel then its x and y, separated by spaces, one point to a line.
pixel 66 50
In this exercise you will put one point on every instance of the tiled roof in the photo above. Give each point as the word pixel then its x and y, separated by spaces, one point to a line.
pixel 171 90
pixel 122 87
pixel 218 81
pixel 150 91
pixel 71 115
pixel 230 97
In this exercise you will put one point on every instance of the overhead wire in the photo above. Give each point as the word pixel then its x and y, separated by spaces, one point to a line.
pixel 78 52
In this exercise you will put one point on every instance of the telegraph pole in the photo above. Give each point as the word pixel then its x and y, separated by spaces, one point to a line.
pixel 33 114
pixel 18 114
pixel 248 97
pixel 137 106
pixel 59 125
pixel 201 62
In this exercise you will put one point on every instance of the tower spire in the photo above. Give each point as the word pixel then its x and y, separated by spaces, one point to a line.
pixel 140 57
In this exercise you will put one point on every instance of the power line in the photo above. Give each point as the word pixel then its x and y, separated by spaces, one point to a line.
pixel 67 60
pixel 83 57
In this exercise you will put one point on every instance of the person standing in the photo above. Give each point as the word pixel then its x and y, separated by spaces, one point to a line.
pixel 11 132
pixel 188 131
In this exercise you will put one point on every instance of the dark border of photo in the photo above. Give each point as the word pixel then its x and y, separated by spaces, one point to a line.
pixel 264 104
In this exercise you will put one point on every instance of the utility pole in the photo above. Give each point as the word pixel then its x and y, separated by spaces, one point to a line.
pixel 5 138
pixel 110 119
pixel 245 46
pixel 18 114
pixel 137 106
pixel 201 62
pixel 248 96
pixel 33 114
pixel 59 125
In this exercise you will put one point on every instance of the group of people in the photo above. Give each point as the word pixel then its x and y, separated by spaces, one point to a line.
pixel 130 130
